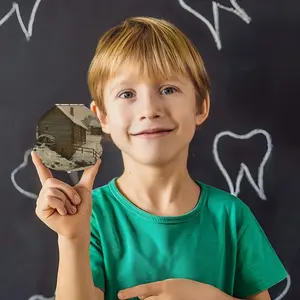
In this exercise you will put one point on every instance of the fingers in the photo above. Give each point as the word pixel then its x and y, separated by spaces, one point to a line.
pixel 46 177
pixel 88 176
pixel 51 199
pixel 71 209
pixel 55 203
pixel 69 192
pixel 141 291
pixel 43 172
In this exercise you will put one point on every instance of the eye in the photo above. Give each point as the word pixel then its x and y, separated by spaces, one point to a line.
pixel 127 95
pixel 168 90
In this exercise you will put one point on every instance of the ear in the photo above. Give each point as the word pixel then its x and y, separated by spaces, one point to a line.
pixel 101 116
pixel 203 113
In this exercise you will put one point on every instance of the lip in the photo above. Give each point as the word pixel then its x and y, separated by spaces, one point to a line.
pixel 154 132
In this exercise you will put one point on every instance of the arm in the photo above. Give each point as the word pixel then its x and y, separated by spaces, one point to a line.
pixel 261 296
pixel 74 280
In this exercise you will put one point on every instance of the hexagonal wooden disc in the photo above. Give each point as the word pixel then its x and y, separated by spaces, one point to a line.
pixel 68 138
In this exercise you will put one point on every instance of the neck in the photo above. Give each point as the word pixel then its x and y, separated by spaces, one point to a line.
pixel 163 189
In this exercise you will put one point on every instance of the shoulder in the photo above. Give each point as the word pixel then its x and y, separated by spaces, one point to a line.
pixel 100 193
pixel 219 199
pixel 225 207
pixel 103 199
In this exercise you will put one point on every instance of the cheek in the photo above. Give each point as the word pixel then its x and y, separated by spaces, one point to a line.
pixel 188 128
pixel 187 125
pixel 186 116
pixel 119 119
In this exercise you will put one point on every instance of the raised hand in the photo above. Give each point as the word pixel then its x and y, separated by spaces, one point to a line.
pixel 63 208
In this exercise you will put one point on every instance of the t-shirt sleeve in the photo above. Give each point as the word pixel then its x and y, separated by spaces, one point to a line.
pixel 258 267
pixel 96 255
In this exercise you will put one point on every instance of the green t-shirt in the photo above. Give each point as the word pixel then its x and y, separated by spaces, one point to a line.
pixel 219 242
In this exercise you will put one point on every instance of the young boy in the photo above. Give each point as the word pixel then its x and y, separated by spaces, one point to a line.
pixel 153 232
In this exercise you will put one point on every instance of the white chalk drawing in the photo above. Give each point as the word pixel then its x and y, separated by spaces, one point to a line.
pixel 16 170
pixel 40 297
pixel 285 291
pixel 16 9
pixel 244 170
pixel 215 29
pixel 259 187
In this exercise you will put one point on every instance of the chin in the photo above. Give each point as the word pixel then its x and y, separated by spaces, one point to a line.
pixel 153 161
pixel 156 159
pixel 156 156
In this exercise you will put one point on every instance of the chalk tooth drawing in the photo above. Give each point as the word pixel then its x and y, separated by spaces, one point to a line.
pixel 215 29
pixel 244 170
pixel 285 291
pixel 16 9
pixel 16 170
pixel 259 188
pixel 40 297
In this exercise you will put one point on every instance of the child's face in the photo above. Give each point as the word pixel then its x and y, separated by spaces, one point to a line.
pixel 135 103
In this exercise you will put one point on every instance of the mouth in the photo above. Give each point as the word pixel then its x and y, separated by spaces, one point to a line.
pixel 153 132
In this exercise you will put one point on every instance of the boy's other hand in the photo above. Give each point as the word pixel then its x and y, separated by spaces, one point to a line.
pixel 65 209
pixel 174 289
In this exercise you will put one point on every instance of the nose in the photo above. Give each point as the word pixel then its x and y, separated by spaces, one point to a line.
pixel 151 106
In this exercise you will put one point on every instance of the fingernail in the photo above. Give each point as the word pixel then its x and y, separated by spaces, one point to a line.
pixel 77 199
pixel 73 209
pixel 120 296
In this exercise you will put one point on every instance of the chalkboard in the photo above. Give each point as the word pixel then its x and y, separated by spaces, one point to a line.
pixel 249 146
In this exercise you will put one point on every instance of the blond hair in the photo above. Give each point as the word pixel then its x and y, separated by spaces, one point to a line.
pixel 157 46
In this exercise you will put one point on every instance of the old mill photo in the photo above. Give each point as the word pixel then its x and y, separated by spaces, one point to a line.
pixel 68 138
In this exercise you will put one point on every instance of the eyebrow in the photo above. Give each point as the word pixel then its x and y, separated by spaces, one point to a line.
pixel 117 84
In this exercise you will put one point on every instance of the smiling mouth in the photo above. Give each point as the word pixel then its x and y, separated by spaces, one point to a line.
pixel 153 133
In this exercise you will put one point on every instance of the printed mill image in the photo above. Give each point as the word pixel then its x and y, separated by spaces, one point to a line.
pixel 68 138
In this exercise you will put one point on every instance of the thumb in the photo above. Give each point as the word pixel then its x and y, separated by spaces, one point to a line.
pixel 88 176
pixel 43 172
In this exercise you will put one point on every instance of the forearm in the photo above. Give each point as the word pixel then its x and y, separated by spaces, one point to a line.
pixel 227 297
pixel 74 279
pixel 214 293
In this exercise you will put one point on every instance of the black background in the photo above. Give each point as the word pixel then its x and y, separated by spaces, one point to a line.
pixel 255 85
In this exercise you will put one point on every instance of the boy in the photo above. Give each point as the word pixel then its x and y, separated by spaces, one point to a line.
pixel 153 232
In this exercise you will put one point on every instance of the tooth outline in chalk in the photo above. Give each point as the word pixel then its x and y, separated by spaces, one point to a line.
pixel 16 9
pixel 16 170
pixel 286 289
pixel 40 297
pixel 215 30
pixel 259 188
